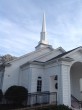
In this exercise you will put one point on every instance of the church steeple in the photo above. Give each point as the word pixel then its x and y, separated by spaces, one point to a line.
pixel 43 32
pixel 43 42
pixel 44 24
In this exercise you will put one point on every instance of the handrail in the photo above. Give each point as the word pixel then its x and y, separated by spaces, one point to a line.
pixel 42 98
pixel 44 92
pixel 76 100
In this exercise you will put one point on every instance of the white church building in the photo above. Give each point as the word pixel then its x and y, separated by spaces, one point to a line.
pixel 47 69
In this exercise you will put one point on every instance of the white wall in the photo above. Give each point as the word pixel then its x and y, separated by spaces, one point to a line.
pixel 65 76
pixel 25 78
pixel 11 75
pixel 50 71
pixel 37 71
pixel 62 69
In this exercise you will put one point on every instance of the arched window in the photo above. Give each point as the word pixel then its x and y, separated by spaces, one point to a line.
pixel 39 84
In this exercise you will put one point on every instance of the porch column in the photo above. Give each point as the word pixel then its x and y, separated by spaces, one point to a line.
pixel 65 83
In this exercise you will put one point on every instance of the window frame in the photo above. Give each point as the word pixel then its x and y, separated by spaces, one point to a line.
pixel 39 84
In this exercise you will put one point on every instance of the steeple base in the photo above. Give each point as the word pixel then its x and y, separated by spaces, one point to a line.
pixel 42 45
pixel 43 41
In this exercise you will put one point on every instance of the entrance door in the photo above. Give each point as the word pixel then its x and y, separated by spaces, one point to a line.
pixel 53 87
pixel 54 83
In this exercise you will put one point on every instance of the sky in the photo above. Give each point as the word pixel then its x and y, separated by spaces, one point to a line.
pixel 21 23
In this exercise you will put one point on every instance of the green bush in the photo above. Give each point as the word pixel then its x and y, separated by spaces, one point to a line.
pixel 63 107
pixel 53 107
pixel 16 94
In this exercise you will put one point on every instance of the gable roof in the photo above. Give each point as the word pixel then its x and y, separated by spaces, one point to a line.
pixel 57 57
pixel 49 53
pixel 63 54
pixel 32 53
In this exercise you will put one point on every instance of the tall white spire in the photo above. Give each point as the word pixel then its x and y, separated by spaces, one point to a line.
pixel 44 24
pixel 43 42
pixel 43 32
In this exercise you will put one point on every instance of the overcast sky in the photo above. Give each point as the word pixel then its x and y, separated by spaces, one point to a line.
pixel 21 22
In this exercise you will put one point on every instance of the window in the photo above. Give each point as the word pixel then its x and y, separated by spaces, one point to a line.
pixel 39 84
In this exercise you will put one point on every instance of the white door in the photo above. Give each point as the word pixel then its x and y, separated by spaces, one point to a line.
pixel 53 88
pixel 54 83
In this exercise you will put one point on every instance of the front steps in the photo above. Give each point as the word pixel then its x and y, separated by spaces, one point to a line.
pixel 76 108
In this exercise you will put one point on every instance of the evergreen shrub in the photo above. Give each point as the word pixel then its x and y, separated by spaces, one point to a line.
pixel 16 94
